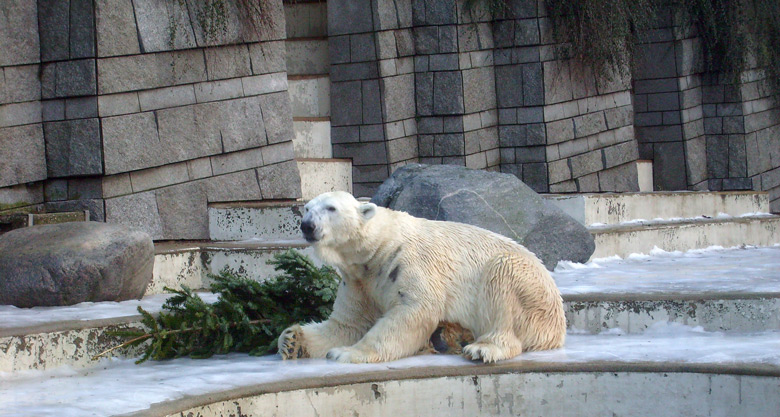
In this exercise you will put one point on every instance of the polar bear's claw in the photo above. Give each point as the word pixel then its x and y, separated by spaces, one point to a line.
pixel 291 343
pixel 487 352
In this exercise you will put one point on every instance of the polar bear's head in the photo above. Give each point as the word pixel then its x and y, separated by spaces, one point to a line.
pixel 334 218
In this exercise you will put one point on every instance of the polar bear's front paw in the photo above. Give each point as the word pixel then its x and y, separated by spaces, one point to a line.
pixel 350 355
pixel 291 343
pixel 487 352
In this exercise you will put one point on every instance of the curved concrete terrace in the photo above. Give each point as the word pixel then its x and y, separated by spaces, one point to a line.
pixel 615 354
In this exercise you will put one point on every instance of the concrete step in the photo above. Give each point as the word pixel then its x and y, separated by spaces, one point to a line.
pixel 683 235
pixel 306 19
pixel 307 56
pixel 715 290
pixel 309 95
pixel 191 263
pixel 255 220
pixel 615 208
pixel 312 137
pixel 718 374
pixel 324 175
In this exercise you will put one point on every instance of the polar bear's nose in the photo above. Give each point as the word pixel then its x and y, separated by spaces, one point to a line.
pixel 307 227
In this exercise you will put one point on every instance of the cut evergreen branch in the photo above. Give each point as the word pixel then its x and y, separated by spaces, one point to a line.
pixel 247 317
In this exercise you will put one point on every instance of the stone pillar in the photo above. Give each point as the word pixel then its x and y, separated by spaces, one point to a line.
pixel 22 145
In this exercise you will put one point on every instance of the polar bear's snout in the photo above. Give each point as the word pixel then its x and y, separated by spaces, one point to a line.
pixel 308 228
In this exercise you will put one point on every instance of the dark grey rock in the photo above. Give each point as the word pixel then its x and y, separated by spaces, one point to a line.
pixel 737 157
pixel 718 156
pixel 443 62
pixel 535 176
pixel 364 153
pixel 536 134
pixel 439 12
pixel 526 32
pixel 497 202
pixel 73 147
pixel 430 125
pixel 529 154
pixel 69 263
pixel 504 33
pixel 55 190
pixel 512 135
pixel 81 107
pixel 737 184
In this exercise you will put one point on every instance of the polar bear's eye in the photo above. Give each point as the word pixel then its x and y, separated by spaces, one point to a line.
pixel 331 208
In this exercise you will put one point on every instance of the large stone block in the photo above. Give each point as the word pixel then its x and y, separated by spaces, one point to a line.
pixel 93 206
pixel 163 25
pixel 533 85
pixel 268 57
pixel 140 72
pixel 423 90
pixel 620 154
pixel 138 211
pixel 19 84
pixel 237 186
pixel 349 16
pixel 364 153
pixel 73 148
pixel 586 163
pixel 54 20
pixel 183 211
pixel 69 79
pixel 82 29
pixel 64 264
pixel 479 90
pixel 655 60
pixel 451 144
pixel 23 152
pixel 19 41
pixel 280 181
pixel 398 93
pixel 115 28
pixel 277 117
pixel 589 124
pixel 669 167
pixel 622 178
pixel 510 78
pixel 143 151
pixel 718 156
pixel 346 100
pixel 448 91
pixel 426 39
pixel 228 62
pixel 17 114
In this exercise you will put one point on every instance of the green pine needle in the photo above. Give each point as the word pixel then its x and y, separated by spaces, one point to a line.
pixel 247 317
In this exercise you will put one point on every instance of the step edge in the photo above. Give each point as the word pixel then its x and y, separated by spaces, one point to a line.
pixel 615 228
pixel 327 381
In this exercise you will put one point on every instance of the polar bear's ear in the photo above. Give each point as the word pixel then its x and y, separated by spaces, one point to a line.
pixel 367 210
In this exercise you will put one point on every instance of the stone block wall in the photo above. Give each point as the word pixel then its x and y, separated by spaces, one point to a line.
pixel 703 131
pixel 22 145
pixel 460 86
pixel 146 117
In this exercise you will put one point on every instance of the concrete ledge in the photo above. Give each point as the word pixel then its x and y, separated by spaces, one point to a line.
pixel 614 208
pixel 623 240
pixel 484 390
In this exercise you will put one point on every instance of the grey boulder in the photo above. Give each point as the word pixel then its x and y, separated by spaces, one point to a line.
pixel 493 201
pixel 69 263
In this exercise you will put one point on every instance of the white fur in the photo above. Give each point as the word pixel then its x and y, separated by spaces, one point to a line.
pixel 402 275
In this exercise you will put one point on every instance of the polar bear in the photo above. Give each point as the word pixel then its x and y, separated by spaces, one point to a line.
pixel 403 275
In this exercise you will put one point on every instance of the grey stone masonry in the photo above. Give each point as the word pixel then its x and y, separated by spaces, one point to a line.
pixel 701 129
pixel 135 112
pixel 460 86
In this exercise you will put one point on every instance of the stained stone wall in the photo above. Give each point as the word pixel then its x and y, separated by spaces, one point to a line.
pixel 145 118
pixel 703 131
pixel 463 87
